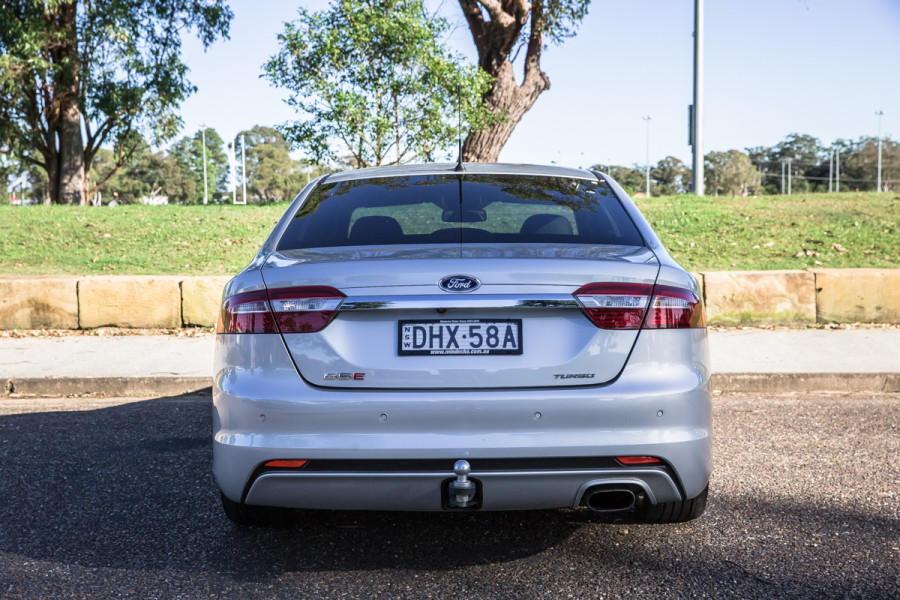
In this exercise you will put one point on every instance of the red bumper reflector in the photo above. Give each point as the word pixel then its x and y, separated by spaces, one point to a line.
pixel 637 460
pixel 286 464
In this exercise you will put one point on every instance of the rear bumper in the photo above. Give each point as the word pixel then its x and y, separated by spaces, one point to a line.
pixel 658 406
pixel 510 490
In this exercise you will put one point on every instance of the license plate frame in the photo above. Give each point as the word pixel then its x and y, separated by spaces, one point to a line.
pixel 458 337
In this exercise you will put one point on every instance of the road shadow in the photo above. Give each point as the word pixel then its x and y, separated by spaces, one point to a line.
pixel 129 488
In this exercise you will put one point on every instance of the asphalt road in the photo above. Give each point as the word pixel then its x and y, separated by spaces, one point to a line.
pixel 114 499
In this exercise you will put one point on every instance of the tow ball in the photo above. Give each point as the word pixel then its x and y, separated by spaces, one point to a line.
pixel 462 492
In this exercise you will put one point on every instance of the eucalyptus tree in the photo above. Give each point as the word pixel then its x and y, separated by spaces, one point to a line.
pixel 500 31
pixel 730 173
pixel 373 84
pixel 672 175
pixel 79 74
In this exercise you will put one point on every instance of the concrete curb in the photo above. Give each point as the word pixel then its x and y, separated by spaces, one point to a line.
pixel 127 387
pixel 782 383
pixel 758 383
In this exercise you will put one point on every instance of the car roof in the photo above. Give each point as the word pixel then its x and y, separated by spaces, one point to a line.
pixel 469 168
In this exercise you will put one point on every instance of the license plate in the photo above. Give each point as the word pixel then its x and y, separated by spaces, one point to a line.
pixel 460 336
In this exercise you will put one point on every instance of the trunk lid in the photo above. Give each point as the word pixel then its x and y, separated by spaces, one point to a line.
pixel 397 329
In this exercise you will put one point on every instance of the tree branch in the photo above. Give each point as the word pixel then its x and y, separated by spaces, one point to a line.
pixel 533 74
pixel 475 20
pixel 498 15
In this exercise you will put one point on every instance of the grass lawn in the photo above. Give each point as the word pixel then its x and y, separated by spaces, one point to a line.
pixel 779 232
pixel 173 240
pixel 768 232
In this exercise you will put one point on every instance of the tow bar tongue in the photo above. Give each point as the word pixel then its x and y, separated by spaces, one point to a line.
pixel 461 490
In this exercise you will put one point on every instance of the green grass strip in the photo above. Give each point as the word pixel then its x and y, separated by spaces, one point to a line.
pixel 764 233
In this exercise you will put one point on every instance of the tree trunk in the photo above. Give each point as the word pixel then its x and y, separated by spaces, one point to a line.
pixel 508 99
pixel 67 84
pixel 52 191
pixel 71 157
pixel 495 38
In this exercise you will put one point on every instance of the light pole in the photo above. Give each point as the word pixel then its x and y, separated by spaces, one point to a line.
pixel 879 113
pixel 232 166
pixel 782 177
pixel 647 119
pixel 830 169
pixel 837 170
pixel 697 107
pixel 205 186
pixel 243 169
pixel 789 161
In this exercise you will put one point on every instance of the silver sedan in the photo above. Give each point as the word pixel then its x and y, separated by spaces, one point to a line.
pixel 462 338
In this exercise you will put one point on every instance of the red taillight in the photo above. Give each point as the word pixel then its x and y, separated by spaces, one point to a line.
pixel 638 460
pixel 289 310
pixel 246 313
pixel 614 305
pixel 305 309
pixel 675 308
pixel 623 306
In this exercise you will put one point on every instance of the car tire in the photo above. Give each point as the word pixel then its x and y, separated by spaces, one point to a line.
pixel 256 516
pixel 673 512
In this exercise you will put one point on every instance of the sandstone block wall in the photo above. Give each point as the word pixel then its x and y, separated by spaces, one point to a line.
pixel 129 301
pixel 39 303
pixel 858 295
pixel 732 298
pixel 757 297
pixel 200 299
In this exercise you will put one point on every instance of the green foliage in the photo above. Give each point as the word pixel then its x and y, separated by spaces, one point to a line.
pixel 562 18
pixel 759 170
pixel 116 61
pixel 672 176
pixel 806 154
pixel 632 179
pixel 188 155
pixel 729 174
pixel 147 178
pixel 860 164
pixel 272 176
pixel 373 84
pixel 808 161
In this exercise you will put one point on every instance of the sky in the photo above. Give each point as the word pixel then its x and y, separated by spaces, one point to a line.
pixel 772 67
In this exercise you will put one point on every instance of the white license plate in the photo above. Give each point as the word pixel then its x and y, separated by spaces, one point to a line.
pixel 460 336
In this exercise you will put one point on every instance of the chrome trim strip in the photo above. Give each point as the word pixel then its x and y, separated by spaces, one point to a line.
pixel 470 301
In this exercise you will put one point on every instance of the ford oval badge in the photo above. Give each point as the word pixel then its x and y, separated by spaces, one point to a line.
pixel 459 284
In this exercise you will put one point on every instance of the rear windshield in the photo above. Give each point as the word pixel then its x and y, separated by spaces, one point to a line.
pixel 467 209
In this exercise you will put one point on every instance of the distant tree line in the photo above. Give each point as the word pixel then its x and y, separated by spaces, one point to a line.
pixel 800 161
pixel 175 176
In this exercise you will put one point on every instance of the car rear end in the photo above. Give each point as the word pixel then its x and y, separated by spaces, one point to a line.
pixel 494 339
